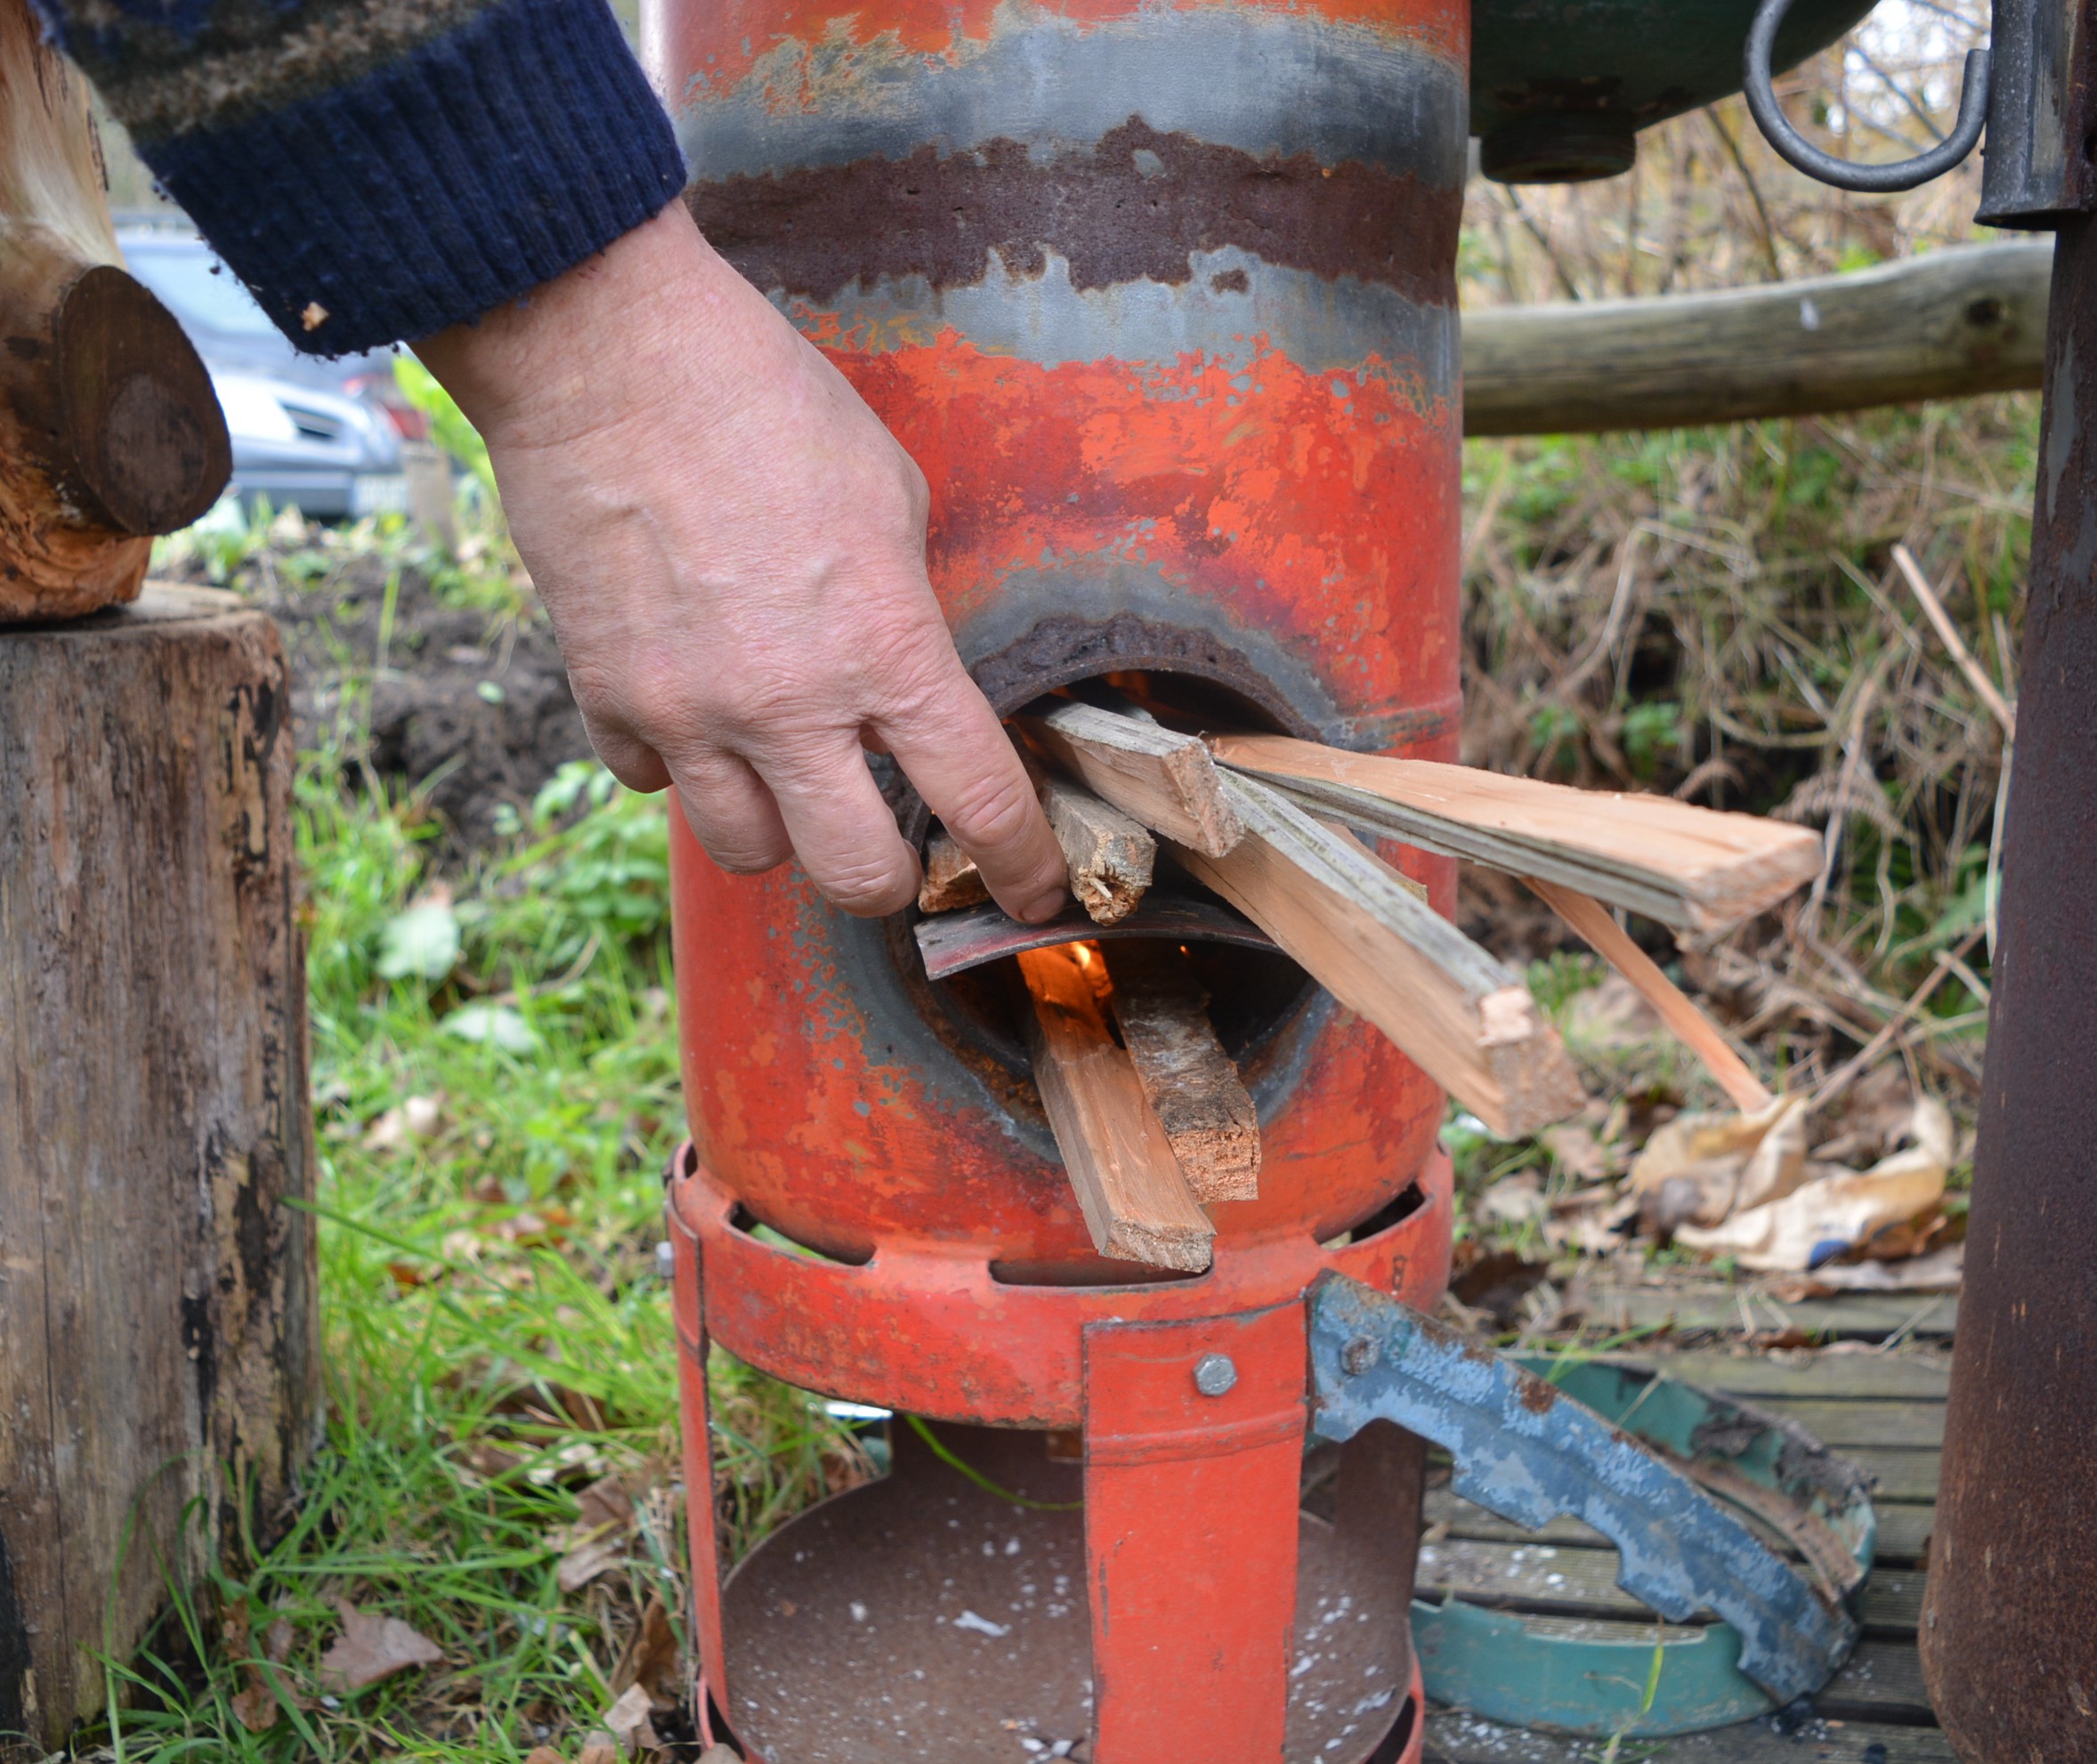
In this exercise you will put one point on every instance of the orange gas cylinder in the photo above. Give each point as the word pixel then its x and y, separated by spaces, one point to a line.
pixel 1161 299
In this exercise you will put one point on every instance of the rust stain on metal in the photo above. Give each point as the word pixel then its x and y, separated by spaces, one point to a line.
pixel 1135 206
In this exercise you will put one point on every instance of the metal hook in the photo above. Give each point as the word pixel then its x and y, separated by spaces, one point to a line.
pixel 1847 174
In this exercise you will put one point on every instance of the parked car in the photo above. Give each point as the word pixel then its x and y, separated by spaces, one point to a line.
pixel 324 436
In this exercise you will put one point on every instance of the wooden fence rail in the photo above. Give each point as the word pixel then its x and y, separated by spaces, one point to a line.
pixel 1949 325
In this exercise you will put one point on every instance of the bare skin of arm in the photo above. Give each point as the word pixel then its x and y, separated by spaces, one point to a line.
pixel 732 547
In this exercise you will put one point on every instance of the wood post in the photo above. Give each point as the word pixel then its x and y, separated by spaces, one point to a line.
pixel 158 1313
pixel 109 429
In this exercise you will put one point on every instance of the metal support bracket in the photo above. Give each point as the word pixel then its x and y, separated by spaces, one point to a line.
pixel 1528 1452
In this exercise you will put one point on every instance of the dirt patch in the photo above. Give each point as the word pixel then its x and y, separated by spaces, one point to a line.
pixel 472 712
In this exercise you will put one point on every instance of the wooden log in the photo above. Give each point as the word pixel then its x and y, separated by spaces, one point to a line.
pixel 110 429
pixel 1696 868
pixel 1190 1082
pixel 1694 1029
pixel 1166 780
pixel 1947 325
pixel 1129 1186
pixel 158 1320
pixel 1111 855
pixel 951 878
pixel 1344 915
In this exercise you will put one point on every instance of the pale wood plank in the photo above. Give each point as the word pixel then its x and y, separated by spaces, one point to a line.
pixel 1454 1738
pixel 1347 918
pixel 1689 867
pixel 1193 1087
pixel 1166 780
pixel 1771 1378
pixel 1129 1186
pixel 1719 1309
pixel 1694 1029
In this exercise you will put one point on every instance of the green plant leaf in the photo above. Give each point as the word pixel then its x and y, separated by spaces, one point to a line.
pixel 423 940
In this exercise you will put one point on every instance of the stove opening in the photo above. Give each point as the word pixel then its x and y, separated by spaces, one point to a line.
pixel 1258 998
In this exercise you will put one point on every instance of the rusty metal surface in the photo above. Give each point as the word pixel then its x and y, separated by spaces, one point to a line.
pixel 942 1332
pixel 1162 300
pixel 848 1649
pixel 952 942
pixel 2038 169
pixel 1528 1452
pixel 2009 1649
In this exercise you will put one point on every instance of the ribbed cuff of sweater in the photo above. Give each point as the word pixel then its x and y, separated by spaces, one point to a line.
pixel 444 183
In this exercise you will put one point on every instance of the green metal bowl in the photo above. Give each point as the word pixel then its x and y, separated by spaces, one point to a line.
pixel 1560 88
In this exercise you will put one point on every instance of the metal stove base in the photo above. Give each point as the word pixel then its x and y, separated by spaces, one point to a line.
pixel 921 1618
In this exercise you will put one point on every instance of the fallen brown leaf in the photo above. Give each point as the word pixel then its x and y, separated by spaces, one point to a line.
pixel 604 1503
pixel 651 1660
pixel 599 1749
pixel 255 1709
pixel 583 1563
pixel 629 1720
pixel 372 1649
pixel 544 1754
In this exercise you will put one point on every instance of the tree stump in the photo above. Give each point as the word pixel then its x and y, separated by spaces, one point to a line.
pixel 158 1311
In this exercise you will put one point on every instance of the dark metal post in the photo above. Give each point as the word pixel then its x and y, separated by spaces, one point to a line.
pixel 2009 1638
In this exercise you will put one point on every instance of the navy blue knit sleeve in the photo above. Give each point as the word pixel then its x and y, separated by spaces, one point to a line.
pixel 367 189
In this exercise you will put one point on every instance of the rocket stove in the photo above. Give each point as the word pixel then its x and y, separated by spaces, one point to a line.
pixel 1161 299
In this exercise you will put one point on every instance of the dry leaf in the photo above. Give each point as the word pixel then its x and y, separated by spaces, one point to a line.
pixel 277 1641
pixel 1611 1016
pixel 1513 1199
pixel 371 1649
pixel 1577 1153
pixel 1840 1215
pixel 651 1660
pixel 606 1503
pixel 720 1754
pixel 584 1563
pixel 1700 1168
pixel 1939 1271
pixel 599 1748
pixel 629 1720
pixel 255 1709
pixel 544 1754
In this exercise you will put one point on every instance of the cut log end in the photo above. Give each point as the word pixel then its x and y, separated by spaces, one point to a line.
pixel 1111 855
pixel 1537 1081
pixel 951 879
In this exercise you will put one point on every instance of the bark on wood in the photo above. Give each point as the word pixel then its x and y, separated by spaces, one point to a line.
pixel 1129 1186
pixel 157 1319
pixel 1168 781
pixel 1696 1031
pixel 110 429
pixel 1342 912
pixel 1190 1082
pixel 1693 868
pixel 951 879
pixel 1110 855
pixel 1949 325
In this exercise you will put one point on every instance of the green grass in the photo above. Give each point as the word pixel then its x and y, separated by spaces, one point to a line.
pixel 497 1337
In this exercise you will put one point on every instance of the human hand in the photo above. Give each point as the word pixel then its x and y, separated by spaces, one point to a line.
pixel 732 547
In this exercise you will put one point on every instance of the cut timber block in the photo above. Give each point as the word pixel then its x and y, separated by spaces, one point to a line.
pixel 1111 855
pixel 1346 916
pixel 158 1326
pixel 1166 780
pixel 1692 867
pixel 1129 1186
pixel 1191 1083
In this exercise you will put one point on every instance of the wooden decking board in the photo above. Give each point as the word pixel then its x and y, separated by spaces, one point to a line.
pixel 1851 1424
pixel 1570 1581
pixel 1850 1377
pixel 1904 1528
pixel 1733 1311
pixel 1900 1473
pixel 1456 1738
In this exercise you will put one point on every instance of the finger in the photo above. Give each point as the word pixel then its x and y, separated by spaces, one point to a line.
pixel 627 757
pixel 731 813
pixel 952 746
pixel 843 833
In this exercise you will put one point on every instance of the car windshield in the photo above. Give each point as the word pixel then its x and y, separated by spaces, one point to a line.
pixel 201 293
